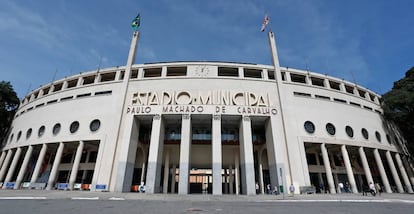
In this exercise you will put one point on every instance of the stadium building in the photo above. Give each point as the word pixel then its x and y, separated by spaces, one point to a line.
pixel 203 127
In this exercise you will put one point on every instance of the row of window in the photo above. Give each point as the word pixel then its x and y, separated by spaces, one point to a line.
pixel 225 71
pixel 301 94
pixel 330 128
pixel 94 125
pixel 64 99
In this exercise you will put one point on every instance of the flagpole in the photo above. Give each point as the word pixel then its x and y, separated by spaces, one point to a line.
pixel 278 78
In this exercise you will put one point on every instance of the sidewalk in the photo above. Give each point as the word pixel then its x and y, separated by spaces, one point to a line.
pixel 87 195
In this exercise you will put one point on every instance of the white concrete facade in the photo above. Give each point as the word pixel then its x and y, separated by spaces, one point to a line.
pixel 203 127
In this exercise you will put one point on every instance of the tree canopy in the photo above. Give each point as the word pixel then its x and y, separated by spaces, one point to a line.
pixel 9 102
pixel 398 105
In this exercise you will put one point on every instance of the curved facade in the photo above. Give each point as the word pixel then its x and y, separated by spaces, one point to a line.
pixel 203 127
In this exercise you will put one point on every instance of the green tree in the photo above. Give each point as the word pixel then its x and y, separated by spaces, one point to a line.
pixel 9 102
pixel 398 105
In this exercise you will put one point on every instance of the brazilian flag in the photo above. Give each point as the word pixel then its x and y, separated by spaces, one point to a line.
pixel 136 22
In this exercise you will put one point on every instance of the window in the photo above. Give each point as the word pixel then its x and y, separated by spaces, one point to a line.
pixel 108 77
pixel 271 74
pixel 330 128
pixel 72 83
pixel 301 94
pixel 95 124
pixel 228 72
pixel 378 136
pixel 19 135
pixel 334 85
pixel 252 73
pixel 388 139
pixel 56 129
pixel 11 138
pixel 134 74
pixel 361 93
pixel 66 98
pixel 309 127
pixel 176 71
pixel 339 100
pixel 83 95
pixel 88 80
pixel 103 93
pixel 322 97
pixel 28 133
pixel 349 89
pixel 74 126
pixel 152 72
pixel 41 131
pixel 364 133
pixel 298 78
pixel 57 87
pixel 317 81
pixel 349 131
pixel 355 104
pixel 52 101
pixel 46 90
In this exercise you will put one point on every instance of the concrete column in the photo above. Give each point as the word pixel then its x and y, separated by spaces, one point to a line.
pixel 365 164
pixel 128 144
pixel 2 157
pixel 6 163
pixel 275 153
pixel 236 172
pixel 216 155
pixel 328 169
pixel 261 182
pixel 403 173
pixel 12 166
pixel 231 180
pixel 166 171
pixel 226 181
pixel 349 171
pixel 382 171
pixel 23 167
pixel 394 172
pixel 54 171
pixel 173 174
pixel 409 169
pixel 75 166
pixel 185 155
pixel 246 157
pixel 155 155
pixel 39 162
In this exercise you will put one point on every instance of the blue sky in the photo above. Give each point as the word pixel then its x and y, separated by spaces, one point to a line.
pixel 370 42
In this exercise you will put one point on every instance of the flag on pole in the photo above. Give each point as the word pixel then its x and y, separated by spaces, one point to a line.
pixel 136 22
pixel 265 23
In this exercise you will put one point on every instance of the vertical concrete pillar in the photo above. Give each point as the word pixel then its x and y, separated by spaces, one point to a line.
pixel 275 154
pixel 365 164
pixel 23 167
pixel 216 155
pixel 409 169
pixel 173 174
pixel 155 155
pixel 54 171
pixel 75 166
pixel 403 173
pixel 246 157
pixel 166 171
pixel 128 144
pixel 261 182
pixel 381 169
pixel 12 166
pixel 226 181
pixel 394 172
pixel 349 171
pixel 2 157
pixel 231 180
pixel 236 172
pixel 328 169
pixel 6 163
pixel 39 162
pixel 185 155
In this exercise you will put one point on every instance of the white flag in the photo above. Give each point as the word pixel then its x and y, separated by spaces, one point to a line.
pixel 265 23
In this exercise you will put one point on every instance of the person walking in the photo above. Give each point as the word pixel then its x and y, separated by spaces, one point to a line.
pixel 292 189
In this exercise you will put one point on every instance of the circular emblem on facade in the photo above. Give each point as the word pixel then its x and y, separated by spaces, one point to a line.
pixel 202 71
pixel 330 128
pixel 56 129
pixel 309 127
pixel 41 131
pixel 74 127
pixel 95 124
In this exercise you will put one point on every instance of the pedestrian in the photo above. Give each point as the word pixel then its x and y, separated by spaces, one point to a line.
pixel 292 189
pixel 269 189
pixel 341 187
pixel 322 188
pixel 378 189
pixel 257 188
pixel 372 188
